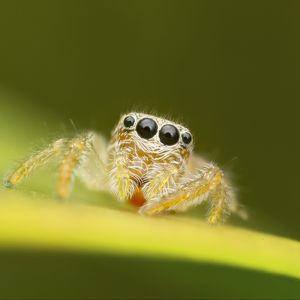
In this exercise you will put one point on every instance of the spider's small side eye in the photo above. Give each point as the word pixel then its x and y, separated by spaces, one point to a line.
pixel 186 137
pixel 146 128
pixel 169 135
pixel 129 121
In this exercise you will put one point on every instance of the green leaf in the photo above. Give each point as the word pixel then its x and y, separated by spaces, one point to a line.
pixel 25 222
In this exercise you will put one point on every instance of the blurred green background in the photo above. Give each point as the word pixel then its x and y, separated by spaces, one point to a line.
pixel 229 70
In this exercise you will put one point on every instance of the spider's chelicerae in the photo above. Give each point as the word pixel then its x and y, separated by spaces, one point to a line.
pixel 148 162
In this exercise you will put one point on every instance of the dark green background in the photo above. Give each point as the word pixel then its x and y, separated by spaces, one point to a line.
pixel 80 276
pixel 227 69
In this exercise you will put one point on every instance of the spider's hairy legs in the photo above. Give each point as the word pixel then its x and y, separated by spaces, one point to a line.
pixel 74 156
pixel 207 183
pixel 34 162
pixel 75 151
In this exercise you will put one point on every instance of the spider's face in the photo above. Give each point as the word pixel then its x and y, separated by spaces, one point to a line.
pixel 152 138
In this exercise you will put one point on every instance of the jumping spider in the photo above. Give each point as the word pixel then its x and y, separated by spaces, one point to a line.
pixel 148 162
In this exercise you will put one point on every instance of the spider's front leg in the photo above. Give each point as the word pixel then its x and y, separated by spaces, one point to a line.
pixel 71 154
pixel 207 183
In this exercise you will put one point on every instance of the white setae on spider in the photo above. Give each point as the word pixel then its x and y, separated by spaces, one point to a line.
pixel 148 162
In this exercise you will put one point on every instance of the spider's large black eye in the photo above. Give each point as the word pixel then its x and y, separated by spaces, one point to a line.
pixel 169 135
pixel 129 121
pixel 146 128
pixel 186 137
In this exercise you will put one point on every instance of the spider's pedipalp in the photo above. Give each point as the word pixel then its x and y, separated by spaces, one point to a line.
pixel 122 171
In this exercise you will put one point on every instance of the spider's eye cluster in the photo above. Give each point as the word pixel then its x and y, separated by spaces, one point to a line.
pixel 147 128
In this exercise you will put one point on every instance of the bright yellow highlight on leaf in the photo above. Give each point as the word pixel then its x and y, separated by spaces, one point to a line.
pixel 29 223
